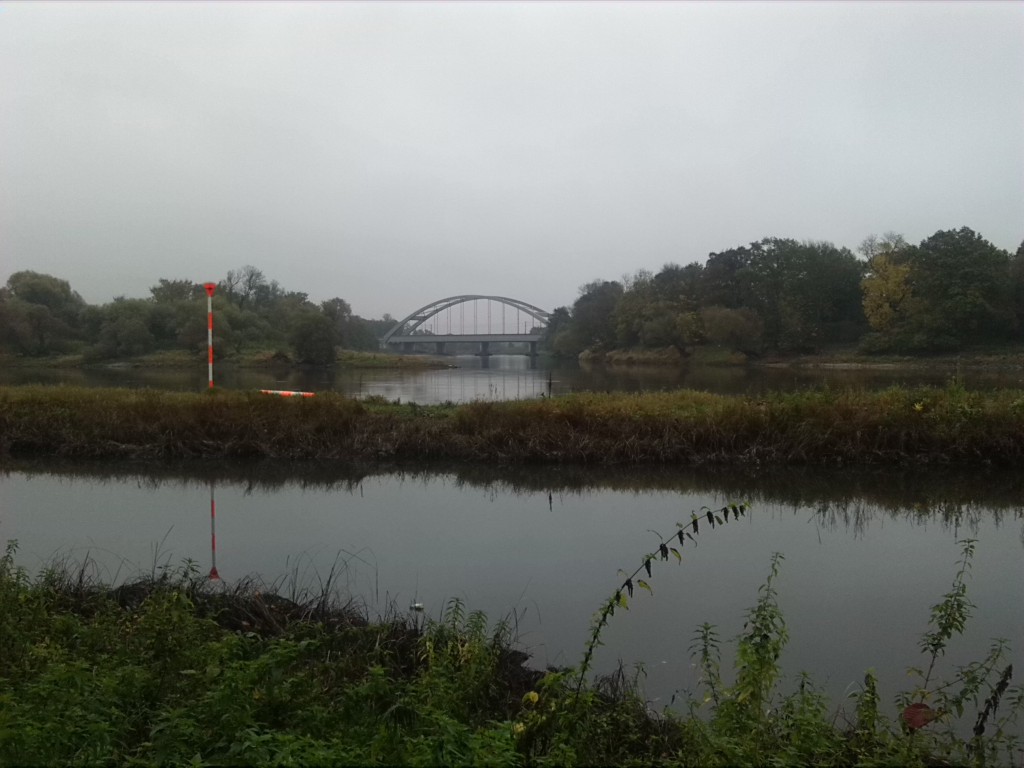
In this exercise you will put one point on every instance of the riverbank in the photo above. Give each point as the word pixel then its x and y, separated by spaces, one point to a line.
pixel 1004 358
pixel 175 668
pixel 896 426
pixel 180 359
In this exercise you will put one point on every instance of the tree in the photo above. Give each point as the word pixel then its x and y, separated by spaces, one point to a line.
pixel 658 311
pixel 244 285
pixel 824 295
pixel 32 329
pixel 961 280
pixel 313 338
pixel 1017 285
pixel 339 313
pixel 952 289
pixel 175 291
pixel 736 329
pixel 558 322
pixel 592 325
pixel 51 292
pixel 886 284
pixel 124 330
pixel 726 279
pixel 39 314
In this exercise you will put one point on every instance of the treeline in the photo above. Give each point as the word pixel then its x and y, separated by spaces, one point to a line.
pixel 41 315
pixel 951 291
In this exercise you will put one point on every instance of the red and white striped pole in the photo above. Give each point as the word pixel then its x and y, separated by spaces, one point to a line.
pixel 210 288
pixel 214 576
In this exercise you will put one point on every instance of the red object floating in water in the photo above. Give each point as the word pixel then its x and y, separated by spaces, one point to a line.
pixel 918 716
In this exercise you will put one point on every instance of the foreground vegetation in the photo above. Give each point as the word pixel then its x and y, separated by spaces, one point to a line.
pixel 893 426
pixel 172 670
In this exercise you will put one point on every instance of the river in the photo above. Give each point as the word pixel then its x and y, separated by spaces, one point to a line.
pixel 866 554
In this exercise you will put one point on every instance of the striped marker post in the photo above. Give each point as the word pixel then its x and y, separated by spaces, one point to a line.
pixel 214 576
pixel 210 288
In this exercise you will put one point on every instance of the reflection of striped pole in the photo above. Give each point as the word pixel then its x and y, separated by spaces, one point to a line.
pixel 210 287
pixel 214 576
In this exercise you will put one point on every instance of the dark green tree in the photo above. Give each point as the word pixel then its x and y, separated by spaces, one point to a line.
pixel 592 325
pixel 313 338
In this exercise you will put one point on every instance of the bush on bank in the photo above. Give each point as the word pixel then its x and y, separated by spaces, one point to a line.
pixel 893 426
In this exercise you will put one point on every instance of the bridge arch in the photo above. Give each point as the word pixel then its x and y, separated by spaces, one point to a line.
pixel 408 324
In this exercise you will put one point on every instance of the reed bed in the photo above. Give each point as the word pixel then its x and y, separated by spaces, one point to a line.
pixel 896 426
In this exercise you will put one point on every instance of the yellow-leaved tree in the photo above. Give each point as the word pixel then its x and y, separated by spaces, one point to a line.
pixel 888 294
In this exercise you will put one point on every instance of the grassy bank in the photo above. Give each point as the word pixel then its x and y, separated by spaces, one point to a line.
pixel 665 357
pixel 173 670
pixel 894 426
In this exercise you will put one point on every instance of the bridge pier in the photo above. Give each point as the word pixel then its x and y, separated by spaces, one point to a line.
pixel 407 347
pixel 485 349
pixel 533 349
pixel 439 347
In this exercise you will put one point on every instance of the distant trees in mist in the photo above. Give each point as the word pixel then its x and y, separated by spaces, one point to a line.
pixel 951 291
pixel 41 315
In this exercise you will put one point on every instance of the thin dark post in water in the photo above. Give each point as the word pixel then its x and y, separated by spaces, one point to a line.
pixel 214 576
pixel 210 288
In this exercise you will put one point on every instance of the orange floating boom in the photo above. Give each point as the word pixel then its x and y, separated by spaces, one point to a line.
pixel 287 393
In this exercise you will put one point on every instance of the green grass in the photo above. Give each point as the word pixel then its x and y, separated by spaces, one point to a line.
pixel 683 428
pixel 169 670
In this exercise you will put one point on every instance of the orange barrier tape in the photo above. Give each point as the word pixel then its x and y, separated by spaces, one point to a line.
pixel 286 393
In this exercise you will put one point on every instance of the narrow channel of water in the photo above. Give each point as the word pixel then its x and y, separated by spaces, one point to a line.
pixel 866 555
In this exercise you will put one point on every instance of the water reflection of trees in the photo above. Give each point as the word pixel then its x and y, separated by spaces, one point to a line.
pixel 847 497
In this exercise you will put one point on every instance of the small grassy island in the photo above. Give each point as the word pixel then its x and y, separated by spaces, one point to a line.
pixel 892 426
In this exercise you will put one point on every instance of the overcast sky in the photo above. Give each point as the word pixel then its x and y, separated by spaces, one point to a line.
pixel 396 153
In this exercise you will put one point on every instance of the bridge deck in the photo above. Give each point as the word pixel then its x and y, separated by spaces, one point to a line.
pixel 455 338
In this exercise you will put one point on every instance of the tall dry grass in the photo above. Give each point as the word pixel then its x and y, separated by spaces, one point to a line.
pixel 893 426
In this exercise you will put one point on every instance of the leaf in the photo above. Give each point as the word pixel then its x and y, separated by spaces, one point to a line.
pixel 644 585
pixel 629 586
pixel 696 528
pixel 711 519
pixel 918 715
pixel 647 565
pixel 691 538
pixel 663 550
pixel 720 521
pixel 675 552
pixel 622 601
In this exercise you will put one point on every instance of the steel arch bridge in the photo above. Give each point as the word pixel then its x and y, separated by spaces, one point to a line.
pixel 414 329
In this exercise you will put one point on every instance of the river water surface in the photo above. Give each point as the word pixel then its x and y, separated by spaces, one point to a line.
pixel 866 555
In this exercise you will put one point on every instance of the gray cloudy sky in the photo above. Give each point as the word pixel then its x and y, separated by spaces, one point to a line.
pixel 397 153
